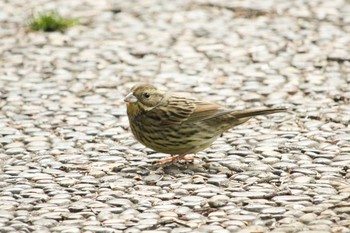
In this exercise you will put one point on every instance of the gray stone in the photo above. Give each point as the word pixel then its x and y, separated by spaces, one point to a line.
pixel 274 210
pixel 120 202
pixel 307 218
pixel 291 198
pixel 192 201
pixel 218 201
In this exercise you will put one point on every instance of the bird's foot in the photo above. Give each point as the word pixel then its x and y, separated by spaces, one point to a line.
pixel 173 159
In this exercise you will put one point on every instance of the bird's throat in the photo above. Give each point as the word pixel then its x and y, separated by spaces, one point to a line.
pixel 136 109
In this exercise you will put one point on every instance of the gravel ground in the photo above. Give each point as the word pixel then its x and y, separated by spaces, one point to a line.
pixel 68 162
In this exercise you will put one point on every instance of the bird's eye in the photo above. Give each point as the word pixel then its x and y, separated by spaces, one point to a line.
pixel 146 95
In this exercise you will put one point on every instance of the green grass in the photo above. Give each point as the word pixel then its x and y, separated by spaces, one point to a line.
pixel 50 21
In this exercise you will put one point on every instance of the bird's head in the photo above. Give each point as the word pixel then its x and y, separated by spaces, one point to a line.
pixel 143 97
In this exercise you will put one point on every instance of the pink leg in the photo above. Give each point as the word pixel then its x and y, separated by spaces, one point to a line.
pixel 172 159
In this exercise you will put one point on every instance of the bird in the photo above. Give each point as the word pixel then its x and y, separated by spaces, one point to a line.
pixel 177 124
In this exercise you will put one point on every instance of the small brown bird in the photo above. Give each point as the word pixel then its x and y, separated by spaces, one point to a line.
pixel 178 125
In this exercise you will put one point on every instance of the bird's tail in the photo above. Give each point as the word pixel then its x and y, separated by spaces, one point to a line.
pixel 237 117
pixel 255 112
pixel 241 116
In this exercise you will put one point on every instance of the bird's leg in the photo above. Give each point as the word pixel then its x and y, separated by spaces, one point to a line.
pixel 173 159
pixel 187 158
pixel 168 159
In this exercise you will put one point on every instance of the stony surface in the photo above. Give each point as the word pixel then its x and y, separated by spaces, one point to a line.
pixel 68 162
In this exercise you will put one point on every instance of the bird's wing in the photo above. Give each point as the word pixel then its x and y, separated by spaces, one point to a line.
pixel 206 111
pixel 178 109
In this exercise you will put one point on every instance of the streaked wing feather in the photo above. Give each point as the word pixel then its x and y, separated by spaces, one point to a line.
pixel 206 111
pixel 176 110
pixel 179 109
pixel 173 111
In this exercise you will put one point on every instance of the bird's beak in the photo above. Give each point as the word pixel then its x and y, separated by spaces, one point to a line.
pixel 130 98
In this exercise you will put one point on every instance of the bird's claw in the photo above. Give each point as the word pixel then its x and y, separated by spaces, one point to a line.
pixel 172 159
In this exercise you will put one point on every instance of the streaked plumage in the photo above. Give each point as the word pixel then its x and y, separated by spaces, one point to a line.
pixel 179 125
